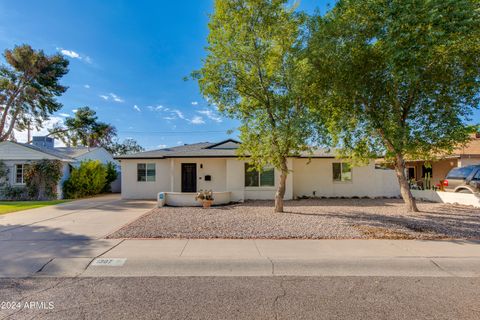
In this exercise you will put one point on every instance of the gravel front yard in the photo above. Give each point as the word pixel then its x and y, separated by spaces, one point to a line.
pixel 309 219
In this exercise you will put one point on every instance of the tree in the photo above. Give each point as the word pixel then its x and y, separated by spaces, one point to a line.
pixel 401 75
pixel 29 85
pixel 253 73
pixel 42 178
pixel 128 146
pixel 84 129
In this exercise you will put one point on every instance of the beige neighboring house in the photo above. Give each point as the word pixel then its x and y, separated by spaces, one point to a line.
pixel 18 155
pixel 461 157
pixel 215 166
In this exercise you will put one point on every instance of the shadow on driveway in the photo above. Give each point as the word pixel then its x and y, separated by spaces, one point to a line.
pixel 25 250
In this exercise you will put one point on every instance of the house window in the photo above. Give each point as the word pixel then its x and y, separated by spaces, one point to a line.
pixel 146 172
pixel 342 172
pixel 253 178
pixel 20 173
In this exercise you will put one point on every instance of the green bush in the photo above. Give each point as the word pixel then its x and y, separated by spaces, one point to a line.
pixel 15 193
pixel 112 175
pixel 3 174
pixel 88 179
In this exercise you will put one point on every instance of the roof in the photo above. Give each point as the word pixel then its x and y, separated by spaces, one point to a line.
pixel 62 153
pixel 75 152
pixel 470 149
pixel 223 149
pixel 49 151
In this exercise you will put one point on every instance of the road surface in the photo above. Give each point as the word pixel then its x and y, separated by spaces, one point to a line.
pixel 243 298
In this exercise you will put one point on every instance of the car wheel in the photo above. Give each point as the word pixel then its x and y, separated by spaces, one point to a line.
pixel 464 191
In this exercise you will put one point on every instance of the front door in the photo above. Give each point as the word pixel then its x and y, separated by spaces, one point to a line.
pixel 189 177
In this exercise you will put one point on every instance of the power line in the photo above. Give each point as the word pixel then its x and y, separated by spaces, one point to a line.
pixel 174 132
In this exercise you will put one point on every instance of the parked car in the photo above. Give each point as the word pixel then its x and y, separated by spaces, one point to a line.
pixel 463 179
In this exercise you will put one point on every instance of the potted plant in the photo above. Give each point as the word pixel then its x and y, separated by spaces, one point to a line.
pixel 205 197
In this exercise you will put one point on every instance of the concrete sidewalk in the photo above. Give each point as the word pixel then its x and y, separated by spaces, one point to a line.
pixel 276 257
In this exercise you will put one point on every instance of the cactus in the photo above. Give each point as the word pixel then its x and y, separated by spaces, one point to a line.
pixel 428 181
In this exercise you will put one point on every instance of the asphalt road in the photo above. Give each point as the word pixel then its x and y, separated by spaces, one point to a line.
pixel 242 298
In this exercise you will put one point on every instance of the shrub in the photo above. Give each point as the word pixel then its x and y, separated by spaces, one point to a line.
pixel 3 174
pixel 112 175
pixel 15 193
pixel 87 180
pixel 41 179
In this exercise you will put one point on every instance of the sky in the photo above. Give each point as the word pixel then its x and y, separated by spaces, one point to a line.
pixel 128 60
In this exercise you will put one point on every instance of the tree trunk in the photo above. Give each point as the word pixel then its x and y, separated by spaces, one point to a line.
pixel 281 187
pixel 407 196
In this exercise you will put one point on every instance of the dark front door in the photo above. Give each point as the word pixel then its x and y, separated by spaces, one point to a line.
pixel 189 177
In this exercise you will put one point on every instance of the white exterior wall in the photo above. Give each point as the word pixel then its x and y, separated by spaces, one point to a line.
pixel 228 174
pixel 317 176
pixel 236 183
pixel 214 167
pixel 98 154
pixel 133 189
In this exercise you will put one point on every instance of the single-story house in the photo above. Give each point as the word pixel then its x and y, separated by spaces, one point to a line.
pixel 460 157
pixel 17 155
pixel 216 166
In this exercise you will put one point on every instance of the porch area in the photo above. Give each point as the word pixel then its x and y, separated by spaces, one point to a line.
pixel 437 170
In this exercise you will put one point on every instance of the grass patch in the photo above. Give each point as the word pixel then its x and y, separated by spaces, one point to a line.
pixel 13 206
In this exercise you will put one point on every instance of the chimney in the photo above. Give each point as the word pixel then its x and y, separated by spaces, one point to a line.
pixel 43 142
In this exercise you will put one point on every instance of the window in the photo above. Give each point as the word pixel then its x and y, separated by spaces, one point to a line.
pixel 476 177
pixel 342 172
pixel 253 178
pixel 460 172
pixel 20 173
pixel 145 172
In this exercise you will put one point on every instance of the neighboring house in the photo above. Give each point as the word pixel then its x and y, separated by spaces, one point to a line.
pixel 17 156
pixel 461 157
pixel 215 166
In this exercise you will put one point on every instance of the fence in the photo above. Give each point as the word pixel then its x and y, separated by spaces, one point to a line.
pixel 468 199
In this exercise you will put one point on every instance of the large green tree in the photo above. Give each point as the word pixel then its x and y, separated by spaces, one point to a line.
pixel 127 146
pixel 402 75
pixel 253 72
pixel 29 86
pixel 84 129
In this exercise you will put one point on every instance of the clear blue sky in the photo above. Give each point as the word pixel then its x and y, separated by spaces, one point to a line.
pixel 128 60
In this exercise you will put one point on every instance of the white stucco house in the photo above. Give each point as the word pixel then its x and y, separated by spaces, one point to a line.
pixel 17 155
pixel 181 171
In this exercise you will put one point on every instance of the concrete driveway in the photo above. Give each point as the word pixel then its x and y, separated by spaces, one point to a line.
pixel 30 239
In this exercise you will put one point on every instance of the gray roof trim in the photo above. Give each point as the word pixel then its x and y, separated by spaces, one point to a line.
pixel 53 153
pixel 214 156
pixel 222 142
pixel 208 150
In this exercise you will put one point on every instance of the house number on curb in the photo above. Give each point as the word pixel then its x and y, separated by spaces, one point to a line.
pixel 109 262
